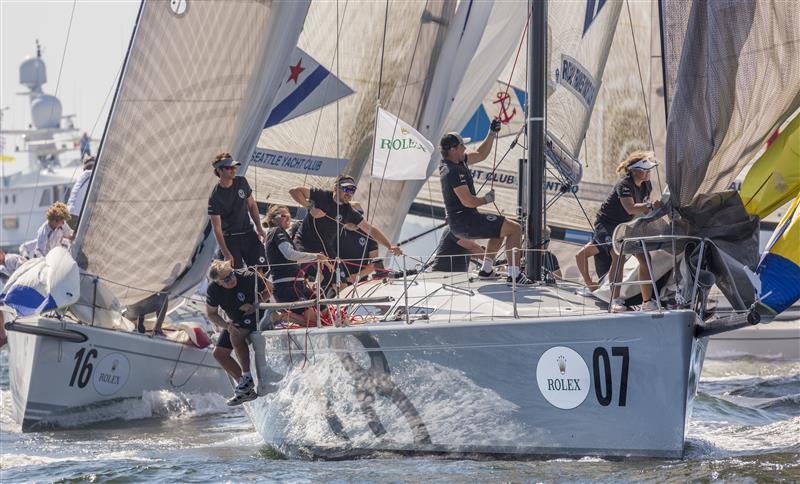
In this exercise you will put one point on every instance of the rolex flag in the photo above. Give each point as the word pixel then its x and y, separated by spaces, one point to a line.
pixel 400 152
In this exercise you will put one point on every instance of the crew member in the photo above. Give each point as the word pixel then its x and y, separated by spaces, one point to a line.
pixel 453 254
pixel 289 283
pixel 630 197
pixel 234 290
pixel 233 212
pixel 319 230
pixel 461 202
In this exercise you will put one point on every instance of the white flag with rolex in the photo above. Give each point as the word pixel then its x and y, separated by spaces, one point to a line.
pixel 400 152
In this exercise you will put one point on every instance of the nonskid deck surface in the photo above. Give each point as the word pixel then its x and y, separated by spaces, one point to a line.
pixel 462 297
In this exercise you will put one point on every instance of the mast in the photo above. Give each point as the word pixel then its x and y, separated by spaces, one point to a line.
pixel 537 49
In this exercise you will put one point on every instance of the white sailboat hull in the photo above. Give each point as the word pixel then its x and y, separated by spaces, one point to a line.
pixel 53 379
pixel 521 387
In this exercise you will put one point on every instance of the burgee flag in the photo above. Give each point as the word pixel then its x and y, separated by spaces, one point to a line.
pixel 400 152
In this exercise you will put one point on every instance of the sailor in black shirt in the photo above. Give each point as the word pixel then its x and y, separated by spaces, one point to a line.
pixel 461 202
pixel 630 197
pixel 238 292
pixel 453 254
pixel 320 229
pixel 287 275
pixel 233 212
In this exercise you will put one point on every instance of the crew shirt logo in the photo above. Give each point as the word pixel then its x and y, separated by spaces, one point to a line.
pixel 491 218
pixel 362 241
pixel 241 193
pixel 240 296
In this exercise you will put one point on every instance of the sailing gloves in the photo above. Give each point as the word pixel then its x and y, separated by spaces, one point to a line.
pixel 489 197
pixel 496 125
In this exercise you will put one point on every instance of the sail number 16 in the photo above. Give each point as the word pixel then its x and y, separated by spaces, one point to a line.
pixel 82 372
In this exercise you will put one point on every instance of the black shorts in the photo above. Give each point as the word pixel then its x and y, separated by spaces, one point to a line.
pixel 247 250
pixel 603 235
pixel 292 291
pixel 247 322
pixel 476 226
pixel 224 340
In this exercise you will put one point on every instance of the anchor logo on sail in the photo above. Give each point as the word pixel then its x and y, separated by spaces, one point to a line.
pixel 504 99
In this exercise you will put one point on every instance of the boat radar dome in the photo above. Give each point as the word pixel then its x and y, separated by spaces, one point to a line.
pixel 33 73
pixel 46 111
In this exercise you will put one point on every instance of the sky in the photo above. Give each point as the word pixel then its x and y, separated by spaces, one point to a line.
pixel 92 49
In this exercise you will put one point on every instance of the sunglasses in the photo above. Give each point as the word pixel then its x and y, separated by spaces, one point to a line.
pixel 231 276
pixel 350 190
pixel 228 168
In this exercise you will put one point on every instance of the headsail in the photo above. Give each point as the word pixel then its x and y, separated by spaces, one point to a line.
pixel 197 81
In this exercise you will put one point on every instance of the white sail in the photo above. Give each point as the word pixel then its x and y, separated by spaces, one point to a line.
pixel 197 81
pixel 618 122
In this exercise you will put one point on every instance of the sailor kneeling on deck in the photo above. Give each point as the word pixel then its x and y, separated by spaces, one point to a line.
pixel 461 202
pixel 287 275
pixel 234 290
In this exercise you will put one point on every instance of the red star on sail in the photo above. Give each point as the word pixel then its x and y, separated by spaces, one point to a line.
pixel 296 70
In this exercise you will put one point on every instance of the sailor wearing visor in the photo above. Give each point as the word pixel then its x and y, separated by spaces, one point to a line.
pixel 234 216
pixel 630 197
pixel 461 202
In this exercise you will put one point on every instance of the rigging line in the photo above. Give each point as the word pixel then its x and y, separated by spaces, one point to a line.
pixel 380 86
pixel 327 90
pixel 52 107
pixel 641 84
pixel 508 85
pixel 400 107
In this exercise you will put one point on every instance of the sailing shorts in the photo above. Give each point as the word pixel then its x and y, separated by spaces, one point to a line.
pixel 248 322
pixel 476 226
pixel 603 235
pixel 246 249
pixel 224 340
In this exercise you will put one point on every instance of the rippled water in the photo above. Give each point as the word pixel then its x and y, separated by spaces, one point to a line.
pixel 745 426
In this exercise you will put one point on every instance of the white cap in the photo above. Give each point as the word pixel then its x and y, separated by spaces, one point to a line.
pixel 643 164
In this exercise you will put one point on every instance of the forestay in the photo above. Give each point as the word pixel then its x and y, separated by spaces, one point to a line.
pixel 198 80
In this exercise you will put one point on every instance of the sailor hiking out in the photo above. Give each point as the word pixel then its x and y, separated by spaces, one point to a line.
pixel 461 202
pixel 629 197
pixel 233 212
pixel 234 291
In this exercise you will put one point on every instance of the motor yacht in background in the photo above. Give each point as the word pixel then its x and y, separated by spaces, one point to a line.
pixel 37 165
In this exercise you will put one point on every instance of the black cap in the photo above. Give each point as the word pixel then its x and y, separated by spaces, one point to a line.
pixel 450 140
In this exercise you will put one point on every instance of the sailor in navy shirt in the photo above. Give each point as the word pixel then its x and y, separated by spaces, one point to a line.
pixel 234 216
pixel 630 197
pixel 461 202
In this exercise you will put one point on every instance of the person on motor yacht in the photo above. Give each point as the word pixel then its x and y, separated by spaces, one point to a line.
pixel 629 197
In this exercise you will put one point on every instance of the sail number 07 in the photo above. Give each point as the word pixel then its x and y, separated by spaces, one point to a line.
pixel 82 372
pixel 601 364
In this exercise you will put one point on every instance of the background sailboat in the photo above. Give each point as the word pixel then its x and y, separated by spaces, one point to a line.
pixel 196 81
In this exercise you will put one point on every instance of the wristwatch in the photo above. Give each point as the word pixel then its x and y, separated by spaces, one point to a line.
pixel 649 205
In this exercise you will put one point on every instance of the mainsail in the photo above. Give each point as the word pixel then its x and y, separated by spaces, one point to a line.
pixel 198 80
pixel 599 137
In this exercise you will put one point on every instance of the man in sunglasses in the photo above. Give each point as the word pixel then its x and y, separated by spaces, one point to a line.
pixel 319 230
pixel 234 216
pixel 234 290
pixel 461 202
